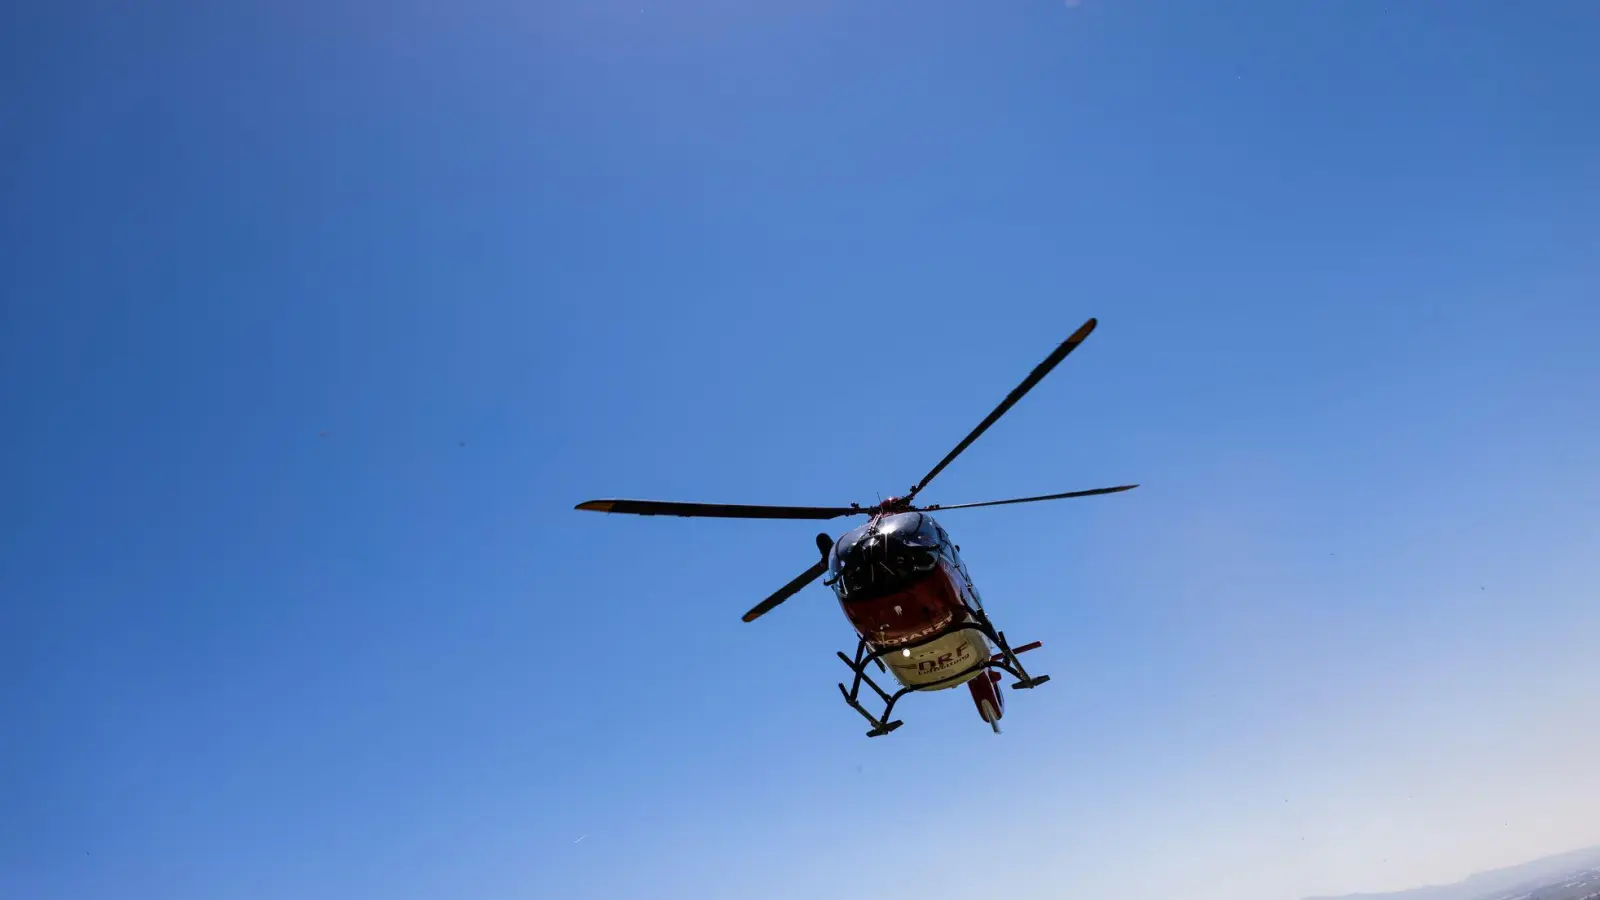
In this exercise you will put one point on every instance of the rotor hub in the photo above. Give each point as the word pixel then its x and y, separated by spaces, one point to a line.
pixel 895 505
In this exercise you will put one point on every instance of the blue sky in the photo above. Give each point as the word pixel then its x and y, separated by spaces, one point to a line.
pixel 319 318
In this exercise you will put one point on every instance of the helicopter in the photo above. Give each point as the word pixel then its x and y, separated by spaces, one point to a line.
pixel 901 582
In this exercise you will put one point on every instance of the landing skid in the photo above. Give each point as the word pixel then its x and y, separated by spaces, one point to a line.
pixel 1006 661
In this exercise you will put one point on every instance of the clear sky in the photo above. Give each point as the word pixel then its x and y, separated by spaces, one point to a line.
pixel 319 318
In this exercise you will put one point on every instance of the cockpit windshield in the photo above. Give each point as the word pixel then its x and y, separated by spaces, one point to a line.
pixel 884 557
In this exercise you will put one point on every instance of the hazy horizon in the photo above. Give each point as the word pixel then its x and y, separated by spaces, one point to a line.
pixel 322 317
pixel 1579 859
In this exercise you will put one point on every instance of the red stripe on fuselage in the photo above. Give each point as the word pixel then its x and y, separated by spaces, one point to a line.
pixel 907 616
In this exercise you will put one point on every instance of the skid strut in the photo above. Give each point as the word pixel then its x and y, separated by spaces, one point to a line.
pixel 1006 661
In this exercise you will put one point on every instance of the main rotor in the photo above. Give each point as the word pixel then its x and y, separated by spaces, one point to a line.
pixel 891 506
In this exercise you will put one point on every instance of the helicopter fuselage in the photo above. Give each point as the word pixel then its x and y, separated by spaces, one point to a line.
pixel 900 581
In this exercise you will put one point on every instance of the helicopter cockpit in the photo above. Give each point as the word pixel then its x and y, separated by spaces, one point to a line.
pixel 884 556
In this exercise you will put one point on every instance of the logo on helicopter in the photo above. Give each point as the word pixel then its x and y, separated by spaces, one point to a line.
pixel 944 661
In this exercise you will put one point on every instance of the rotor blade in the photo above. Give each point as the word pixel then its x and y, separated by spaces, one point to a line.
pixel 1089 493
pixel 1034 377
pixel 787 591
pixel 716 510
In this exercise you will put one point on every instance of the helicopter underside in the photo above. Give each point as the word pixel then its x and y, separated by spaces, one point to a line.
pixel 933 665
pixel 940 663
pixel 916 631
pixel 901 583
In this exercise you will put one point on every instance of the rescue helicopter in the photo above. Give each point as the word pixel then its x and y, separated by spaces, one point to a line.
pixel 901 582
